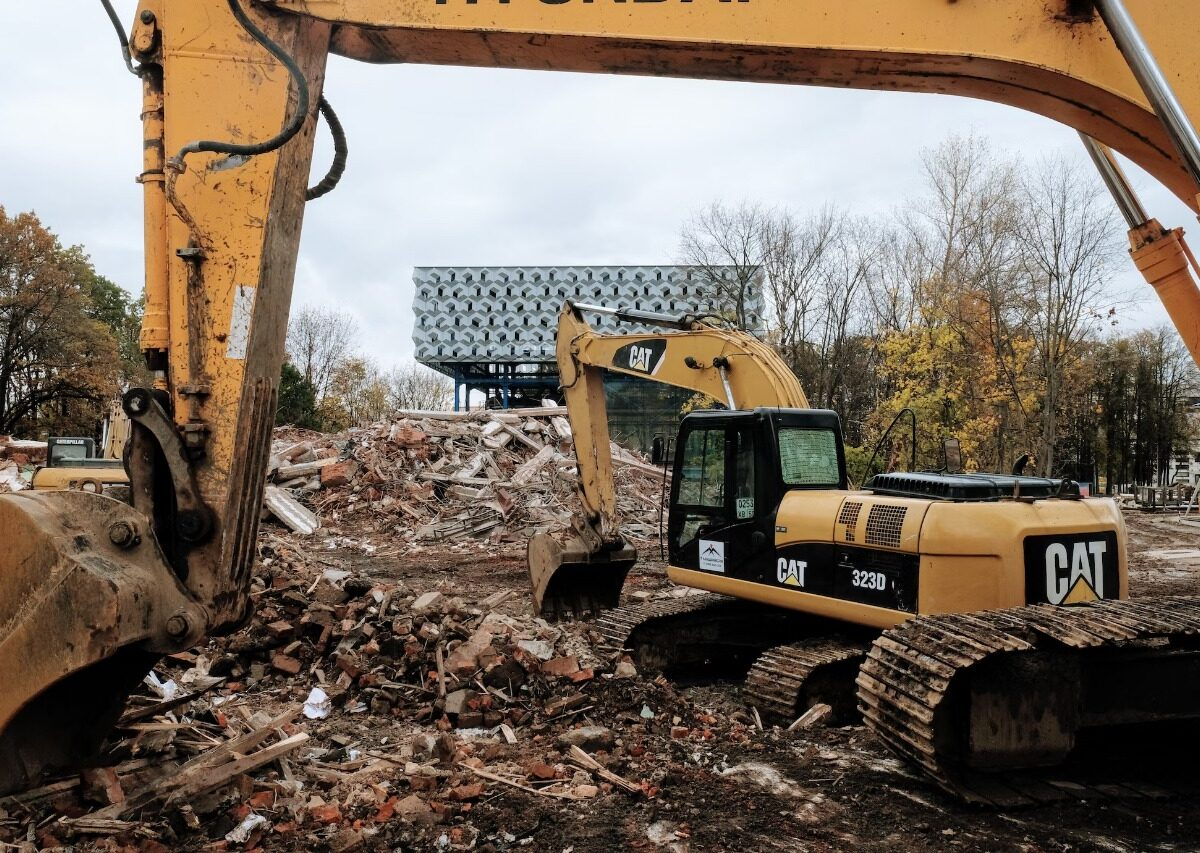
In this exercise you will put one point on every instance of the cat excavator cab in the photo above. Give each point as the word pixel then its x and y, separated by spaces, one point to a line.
pixel 94 591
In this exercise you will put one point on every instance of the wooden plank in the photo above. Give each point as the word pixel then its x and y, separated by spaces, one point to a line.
pixel 524 437
pixel 304 469
pixel 208 779
pixel 483 774
pixel 290 511
pixel 589 763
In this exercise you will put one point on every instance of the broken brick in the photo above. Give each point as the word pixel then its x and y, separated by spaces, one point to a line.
pixel 327 813
pixel 561 667
pixel 281 630
pixel 286 663
pixel 101 785
pixel 462 793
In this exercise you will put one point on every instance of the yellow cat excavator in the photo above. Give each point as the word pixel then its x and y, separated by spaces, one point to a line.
pixel 760 512
pixel 94 591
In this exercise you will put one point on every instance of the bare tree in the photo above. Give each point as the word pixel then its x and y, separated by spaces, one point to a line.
pixel 955 268
pixel 414 387
pixel 319 340
pixel 1068 241
pixel 849 267
pixel 724 246
pixel 793 258
pixel 816 273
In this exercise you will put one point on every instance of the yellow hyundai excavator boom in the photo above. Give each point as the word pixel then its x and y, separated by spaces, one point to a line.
pixel 94 590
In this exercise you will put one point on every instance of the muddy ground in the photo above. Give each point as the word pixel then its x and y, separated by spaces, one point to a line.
pixel 710 779
pixel 830 789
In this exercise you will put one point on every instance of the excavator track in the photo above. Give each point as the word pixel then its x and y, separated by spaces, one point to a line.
pixel 618 625
pixel 992 704
pixel 787 680
pixel 706 634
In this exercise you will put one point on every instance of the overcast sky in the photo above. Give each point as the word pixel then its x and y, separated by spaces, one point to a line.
pixel 470 166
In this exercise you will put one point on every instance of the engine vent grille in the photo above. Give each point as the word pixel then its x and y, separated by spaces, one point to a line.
pixel 849 517
pixel 884 524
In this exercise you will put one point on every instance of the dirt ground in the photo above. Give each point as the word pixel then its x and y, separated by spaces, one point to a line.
pixel 709 779
pixel 829 789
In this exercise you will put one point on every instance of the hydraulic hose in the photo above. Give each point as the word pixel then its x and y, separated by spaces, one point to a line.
pixel 121 36
pixel 340 151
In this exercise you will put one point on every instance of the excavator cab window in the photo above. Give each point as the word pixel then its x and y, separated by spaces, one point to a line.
pixel 701 485
pixel 64 451
pixel 731 471
pixel 719 490
pixel 808 457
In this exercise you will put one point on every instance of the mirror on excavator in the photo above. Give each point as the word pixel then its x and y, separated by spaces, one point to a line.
pixel 658 451
pixel 952 456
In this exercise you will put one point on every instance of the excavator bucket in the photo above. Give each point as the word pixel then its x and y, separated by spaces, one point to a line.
pixel 571 582
pixel 87 606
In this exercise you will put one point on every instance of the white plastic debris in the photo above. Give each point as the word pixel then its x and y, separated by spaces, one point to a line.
pixel 197 678
pixel 317 706
pixel 241 833
pixel 647 714
pixel 10 476
pixel 166 690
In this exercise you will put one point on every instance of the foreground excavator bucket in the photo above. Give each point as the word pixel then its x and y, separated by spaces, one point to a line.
pixel 571 582
pixel 87 605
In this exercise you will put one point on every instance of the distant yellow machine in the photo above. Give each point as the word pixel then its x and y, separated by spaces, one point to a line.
pixel 70 465
pixel 72 461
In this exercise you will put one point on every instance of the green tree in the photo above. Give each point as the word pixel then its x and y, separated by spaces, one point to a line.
pixel 58 364
pixel 115 308
pixel 359 395
pixel 297 400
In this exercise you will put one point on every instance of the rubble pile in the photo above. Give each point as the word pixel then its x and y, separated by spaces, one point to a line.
pixel 354 710
pixel 497 477
pixel 22 451
pixel 17 458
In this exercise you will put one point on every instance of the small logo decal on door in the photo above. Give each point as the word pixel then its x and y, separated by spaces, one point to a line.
pixel 712 556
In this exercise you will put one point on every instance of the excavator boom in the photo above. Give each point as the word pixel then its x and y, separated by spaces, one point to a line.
pixel 586 575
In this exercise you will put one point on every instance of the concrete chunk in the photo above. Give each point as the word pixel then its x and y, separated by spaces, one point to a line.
pixel 290 511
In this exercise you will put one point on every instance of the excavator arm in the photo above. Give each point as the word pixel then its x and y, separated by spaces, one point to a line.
pixel 728 365
pixel 230 91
